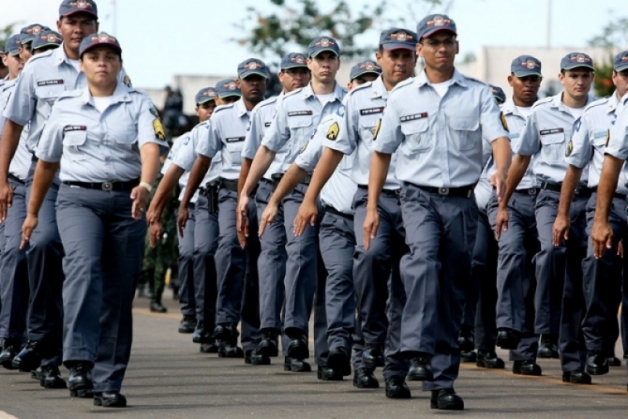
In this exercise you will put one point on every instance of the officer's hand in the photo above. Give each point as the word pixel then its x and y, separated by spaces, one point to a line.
pixel 307 214
pixel 501 222
pixel 620 249
pixel 267 217
pixel 30 224
pixel 242 215
pixel 155 233
pixel 152 215
pixel 371 224
pixel 139 195
pixel 601 237
pixel 6 199
pixel 182 218
pixel 243 231
pixel 561 229
pixel 498 181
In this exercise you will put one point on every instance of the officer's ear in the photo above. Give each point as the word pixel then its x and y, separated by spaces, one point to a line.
pixel 510 79
pixel 419 49
pixel 457 47
pixel 239 83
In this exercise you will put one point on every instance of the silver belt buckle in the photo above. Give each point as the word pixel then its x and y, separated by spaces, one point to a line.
pixel 443 191
pixel 531 191
pixel 107 186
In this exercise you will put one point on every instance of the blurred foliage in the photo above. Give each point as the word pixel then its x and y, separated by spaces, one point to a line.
pixel 603 82
pixel 613 35
pixel 6 32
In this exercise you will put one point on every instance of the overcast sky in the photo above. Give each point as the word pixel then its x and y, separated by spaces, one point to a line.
pixel 164 37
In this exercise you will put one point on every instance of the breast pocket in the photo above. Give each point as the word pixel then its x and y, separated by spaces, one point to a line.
pixel 123 135
pixel 234 147
pixel 300 129
pixel 553 147
pixel 466 131
pixel 48 94
pixel 74 145
pixel 417 136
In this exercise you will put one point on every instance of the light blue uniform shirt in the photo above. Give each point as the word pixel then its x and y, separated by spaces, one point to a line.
pixel 183 180
pixel 298 115
pixel 100 147
pixel 21 162
pixel 618 142
pixel 364 109
pixel 588 143
pixel 339 190
pixel 440 140
pixel 45 77
pixel 547 134
pixel 225 134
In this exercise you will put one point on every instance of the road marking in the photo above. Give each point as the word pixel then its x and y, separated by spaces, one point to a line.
pixel 5 415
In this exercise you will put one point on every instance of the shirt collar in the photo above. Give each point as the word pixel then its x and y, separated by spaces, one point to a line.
pixel 613 102
pixel 60 56
pixel 121 94
pixel 557 101
pixel 338 92
pixel 240 108
pixel 379 89
pixel 457 77
pixel 509 108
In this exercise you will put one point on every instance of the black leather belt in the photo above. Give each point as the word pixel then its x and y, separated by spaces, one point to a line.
pixel 106 186
pixel 462 192
pixel 230 185
pixel 16 179
pixel 556 187
pixel 384 191
pixel 334 211
pixel 530 191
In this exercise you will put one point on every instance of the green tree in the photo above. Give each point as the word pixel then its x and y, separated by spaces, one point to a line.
pixel 6 32
pixel 272 30
pixel 614 35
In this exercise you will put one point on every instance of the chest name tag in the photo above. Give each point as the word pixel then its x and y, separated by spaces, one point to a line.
pixel 234 139
pixel 299 113
pixel 49 82
pixel 70 128
pixel 551 131
pixel 413 117
pixel 371 111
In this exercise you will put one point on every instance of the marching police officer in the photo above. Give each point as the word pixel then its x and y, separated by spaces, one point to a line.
pixel 27 35
pixel 558 299
pixel 603 276
pixel 107 138
pixel 436 121
pixel 298 115
pixel 293 75
pixel 518 245
pixel 46 41
pixel 238 295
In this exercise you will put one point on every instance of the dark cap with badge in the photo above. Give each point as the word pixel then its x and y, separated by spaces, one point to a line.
pixel 252 66
pixel 226 88
pixel 205 95
pixel 12 45
pixel 47 39
pixel 322 44
pixel 30 32
pixel 498 93
pixel 620 63
pixel 97 40
pixel 70 7
pixel 293 60
pixel 526 65
pixel 396 38
pixel 576 60
pixel 431 24
pixel 365 67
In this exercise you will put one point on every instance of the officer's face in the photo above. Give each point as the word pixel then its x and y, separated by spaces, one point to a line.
pixel 439 50
pixel 358 81
pixel 14 64
pixel 324 66
pixel 205 110
pixel 397 64
pixel 620 80
pixel 25 52
pixel 525 89
pixel 577 82
pixel 75 28
pixel 101 66
pixel 253 87
pixel 227 100
pixel 294 78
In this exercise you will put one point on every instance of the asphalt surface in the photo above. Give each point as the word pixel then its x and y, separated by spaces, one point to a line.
pixel 169 378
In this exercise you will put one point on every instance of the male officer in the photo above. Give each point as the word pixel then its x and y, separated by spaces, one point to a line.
pixel 602 277
pixel 436 121
pixel 199 240
pixel 46 41
pixel 227 92
pixel 46 77
pixel 27 36
pixel 298 115
pixel 373 266
pixel 519 244
pixel 558 299
pixel 238 295
pixel 293 75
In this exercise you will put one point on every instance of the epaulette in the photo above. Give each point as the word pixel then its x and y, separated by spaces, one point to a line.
pixel 596 103
pixel 269 101
pixel 360 87
pixel 543 101
pixel 70 94
pixel 294 92
pixel 404 83
pixel 40 56
pixel 222 108
pixel 464 76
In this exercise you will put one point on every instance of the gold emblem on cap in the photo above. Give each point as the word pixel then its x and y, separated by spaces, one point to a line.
pixel 81 4
pixel 52 37
pixel 299 59
pixel 252 65
pixel 231 86
pixel 438 21
pixel 530 64
pixel 580 58
pixel 401 36
pixel 324 43
pixel 34 30
pixel 624 59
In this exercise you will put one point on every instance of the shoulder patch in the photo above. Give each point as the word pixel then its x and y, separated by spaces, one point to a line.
pixel 333 131
pixel 127 81
pixel 504 122
pixel 376 130
pixel 569 148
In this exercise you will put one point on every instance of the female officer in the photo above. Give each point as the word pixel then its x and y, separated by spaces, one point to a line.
pixel 107 139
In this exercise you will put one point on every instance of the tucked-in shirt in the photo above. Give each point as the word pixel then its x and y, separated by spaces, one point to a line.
pixel 298 115
pixel 364 110
pixel 95 146
pixel 547 134
pixel 21 162
pixel 440 140
pixel 226 134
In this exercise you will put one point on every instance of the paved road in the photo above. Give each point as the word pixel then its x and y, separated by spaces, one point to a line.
pixel 168 378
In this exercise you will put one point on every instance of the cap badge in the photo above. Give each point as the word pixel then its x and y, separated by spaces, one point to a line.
pixel 324 43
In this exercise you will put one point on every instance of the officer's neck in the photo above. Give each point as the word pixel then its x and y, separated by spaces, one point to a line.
pixel 522 103
pixel 70 53
pixel 249 105
pixel 323 88
pixel 436 76
pixel 102 91
pixel 572 102
pixel 620 95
